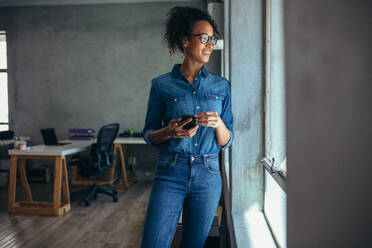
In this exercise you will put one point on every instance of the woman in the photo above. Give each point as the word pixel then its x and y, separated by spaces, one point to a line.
pixel 187 175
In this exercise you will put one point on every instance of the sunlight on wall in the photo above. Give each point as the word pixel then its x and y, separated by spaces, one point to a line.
pixel 257 231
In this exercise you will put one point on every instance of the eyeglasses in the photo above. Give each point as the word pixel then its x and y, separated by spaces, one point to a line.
pixel 204 38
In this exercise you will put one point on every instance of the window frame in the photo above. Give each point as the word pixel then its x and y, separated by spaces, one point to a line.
pixel 269 164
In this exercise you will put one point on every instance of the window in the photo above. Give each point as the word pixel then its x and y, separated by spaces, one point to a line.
pixel 275 145
pixel 4 112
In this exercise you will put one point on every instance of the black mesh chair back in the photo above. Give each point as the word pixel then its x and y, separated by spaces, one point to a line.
pixel 100 159
pixel 9 136
pixel 6 135
pixel 102 151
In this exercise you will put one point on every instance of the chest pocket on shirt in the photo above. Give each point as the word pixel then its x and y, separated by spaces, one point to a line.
pixel 214 102
pixel 176 106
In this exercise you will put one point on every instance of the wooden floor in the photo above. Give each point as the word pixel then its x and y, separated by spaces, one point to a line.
pixel 103 224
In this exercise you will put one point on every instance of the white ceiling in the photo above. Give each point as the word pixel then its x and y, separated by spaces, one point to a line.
pixel 11 3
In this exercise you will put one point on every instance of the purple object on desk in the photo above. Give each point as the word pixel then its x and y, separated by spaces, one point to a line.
pixel 81 133
pixel 81 137
pixel 82 130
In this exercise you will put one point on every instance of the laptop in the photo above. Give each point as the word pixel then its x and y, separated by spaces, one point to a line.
pixel 50 138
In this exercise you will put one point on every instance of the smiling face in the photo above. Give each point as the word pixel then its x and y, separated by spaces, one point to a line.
pixel 194 49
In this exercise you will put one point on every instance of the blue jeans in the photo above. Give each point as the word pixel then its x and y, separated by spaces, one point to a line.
pixel 191 182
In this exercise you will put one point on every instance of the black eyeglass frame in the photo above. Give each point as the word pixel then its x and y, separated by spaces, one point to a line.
pixel 212 38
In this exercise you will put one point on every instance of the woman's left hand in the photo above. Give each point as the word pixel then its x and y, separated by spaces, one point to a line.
pixel 209 119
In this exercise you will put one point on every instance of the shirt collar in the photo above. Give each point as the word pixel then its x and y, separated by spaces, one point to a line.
pixel 204 71
pixel 176 71
pixel 178 75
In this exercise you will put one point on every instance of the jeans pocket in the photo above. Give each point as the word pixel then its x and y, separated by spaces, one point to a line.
pixel 213 166
pixel 164 164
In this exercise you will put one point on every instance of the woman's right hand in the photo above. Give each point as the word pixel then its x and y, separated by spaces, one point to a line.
pixel 175 129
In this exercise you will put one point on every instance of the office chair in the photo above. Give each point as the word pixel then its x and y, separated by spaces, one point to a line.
pixel 5 145
pixel 100 159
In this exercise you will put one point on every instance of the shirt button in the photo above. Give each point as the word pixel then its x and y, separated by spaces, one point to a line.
pixel 194 92
pixel 175 99
pixel 216 97
pixel 197 107
pixel 192 158
pixel 196 144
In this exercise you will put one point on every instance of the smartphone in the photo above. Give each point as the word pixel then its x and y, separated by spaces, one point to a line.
pixel 189 125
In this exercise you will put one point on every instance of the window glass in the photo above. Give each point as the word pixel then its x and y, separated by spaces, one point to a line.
pixel 275 199
pixel 275 84
pixel 4 98
pixel 3 63
pixel 4 115
pixel 276 209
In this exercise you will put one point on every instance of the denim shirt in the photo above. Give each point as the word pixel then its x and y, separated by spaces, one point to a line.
pixel 171 96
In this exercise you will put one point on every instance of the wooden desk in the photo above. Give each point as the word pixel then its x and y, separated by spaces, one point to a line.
pixel 121 145
pixel 58 154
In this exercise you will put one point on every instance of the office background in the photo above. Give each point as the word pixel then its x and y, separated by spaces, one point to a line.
pixel 83 66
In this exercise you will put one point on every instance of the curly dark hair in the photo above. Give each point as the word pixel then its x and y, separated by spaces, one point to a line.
pixel 179 24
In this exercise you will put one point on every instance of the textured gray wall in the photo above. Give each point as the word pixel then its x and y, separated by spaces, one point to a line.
pixel 246 75
pixel 329 63
pixel 246 63
pixel 85 66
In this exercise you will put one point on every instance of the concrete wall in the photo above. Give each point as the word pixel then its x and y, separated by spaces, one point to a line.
pixel 86 66
pixel 247 77
pixel 246 61
pixel 328 52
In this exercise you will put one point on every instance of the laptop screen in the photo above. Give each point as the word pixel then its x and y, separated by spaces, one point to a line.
pixel 49 136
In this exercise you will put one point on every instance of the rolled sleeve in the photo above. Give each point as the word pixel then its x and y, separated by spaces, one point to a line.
pixel 146 137
pixel 154 115
pixel 226 116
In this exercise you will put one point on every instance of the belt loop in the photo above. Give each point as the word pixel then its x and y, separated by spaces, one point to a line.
pixel 175 158
pixel 204 159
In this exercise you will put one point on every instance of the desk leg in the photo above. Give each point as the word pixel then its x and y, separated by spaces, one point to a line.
pixel 23 177
pixel 123 164
pixel 116 147
pixel 65 190
pixel 133 165
pixel 12 183
pixel 122 160
pixel 57 185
